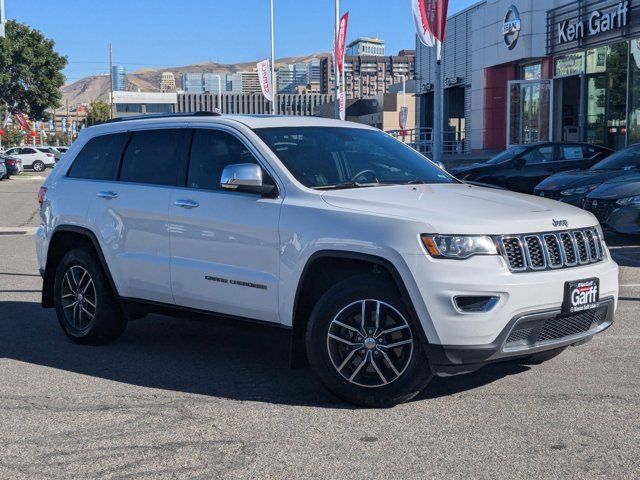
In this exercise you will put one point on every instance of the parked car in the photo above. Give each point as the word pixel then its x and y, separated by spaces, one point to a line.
pixel 52 150
pixel 62 150
pixel 616 204
pixel 385 268
pixel 3 170
pixel 32 158
pixel 573 186
pixel 521 168
pixel 13 164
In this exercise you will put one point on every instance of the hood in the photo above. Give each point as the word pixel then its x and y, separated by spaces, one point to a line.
pixel 621 187
pixel 466 168
pixel 461 208
pixel 577 178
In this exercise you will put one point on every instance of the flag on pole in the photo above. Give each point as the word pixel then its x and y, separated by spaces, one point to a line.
pixel 340 44
pixel 266 82
pixel 342 104
pixel 7 117
pixel 22 120
pixel 64 124
pixel 430 17
pixel 51 126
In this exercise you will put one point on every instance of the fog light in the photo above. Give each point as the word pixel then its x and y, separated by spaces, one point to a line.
pixel 475 304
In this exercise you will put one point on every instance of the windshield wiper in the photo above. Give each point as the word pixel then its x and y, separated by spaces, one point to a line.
pixel 343 185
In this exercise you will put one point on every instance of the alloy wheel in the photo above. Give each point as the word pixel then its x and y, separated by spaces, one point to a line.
pixel 79 299
pixel 370 343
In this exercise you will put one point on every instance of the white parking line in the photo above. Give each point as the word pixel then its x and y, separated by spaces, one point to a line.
pixel 17 231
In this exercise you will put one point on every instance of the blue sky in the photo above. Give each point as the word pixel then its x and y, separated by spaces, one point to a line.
pixel 162 33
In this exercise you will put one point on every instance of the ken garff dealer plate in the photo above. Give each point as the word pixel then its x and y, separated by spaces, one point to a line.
pixel 511 27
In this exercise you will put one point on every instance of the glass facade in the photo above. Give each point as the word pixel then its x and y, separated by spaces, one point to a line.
pixel 607 80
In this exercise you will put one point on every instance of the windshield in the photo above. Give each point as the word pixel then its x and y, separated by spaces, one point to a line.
pixel 507 155
pixel 333 157
pixel 623 160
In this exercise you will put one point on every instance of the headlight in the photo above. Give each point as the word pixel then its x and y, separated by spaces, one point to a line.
pixel 623 202
pixel 459 246
pixel 578 190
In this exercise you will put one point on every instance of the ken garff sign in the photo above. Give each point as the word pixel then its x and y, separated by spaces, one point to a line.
pixel 511 27
pixel 594 23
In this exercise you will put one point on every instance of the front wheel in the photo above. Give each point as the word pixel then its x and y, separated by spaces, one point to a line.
pixel 38 166
pixel 365 345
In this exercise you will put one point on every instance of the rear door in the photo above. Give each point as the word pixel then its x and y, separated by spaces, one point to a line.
pixel 224 244
pixel 131 212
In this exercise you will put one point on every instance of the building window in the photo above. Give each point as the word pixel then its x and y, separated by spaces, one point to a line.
pixel 634 90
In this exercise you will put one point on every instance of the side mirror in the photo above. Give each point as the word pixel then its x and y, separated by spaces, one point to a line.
pixel 245 177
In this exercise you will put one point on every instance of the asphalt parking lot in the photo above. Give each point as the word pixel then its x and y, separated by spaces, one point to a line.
pixel 177 398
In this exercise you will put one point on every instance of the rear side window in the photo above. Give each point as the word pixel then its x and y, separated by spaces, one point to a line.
pixel 211 151
pixel 573 152
pixel 539 155
pixel 154 156
pixel 99 158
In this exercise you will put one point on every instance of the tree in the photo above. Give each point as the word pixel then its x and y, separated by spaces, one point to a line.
pixel 98 112
pixel 30 71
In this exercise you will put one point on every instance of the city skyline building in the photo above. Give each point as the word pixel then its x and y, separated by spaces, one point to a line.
pixel 119 75
pixel 366 46
pixel 167 82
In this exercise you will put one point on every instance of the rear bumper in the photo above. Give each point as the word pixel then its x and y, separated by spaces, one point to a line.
pixel 524 335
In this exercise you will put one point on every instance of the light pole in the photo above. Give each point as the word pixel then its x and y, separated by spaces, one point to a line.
pixel 335 58
pixel 273 66
pixel 2 18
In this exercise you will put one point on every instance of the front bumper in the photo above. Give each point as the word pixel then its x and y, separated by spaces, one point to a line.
pixel 524 335
pixel 625 220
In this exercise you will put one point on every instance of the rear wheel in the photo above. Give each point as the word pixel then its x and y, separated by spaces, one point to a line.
pixel 86 307
pixel 38 166
pixel 365 345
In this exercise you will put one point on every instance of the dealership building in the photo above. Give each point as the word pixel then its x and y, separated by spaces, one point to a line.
pixel 523 71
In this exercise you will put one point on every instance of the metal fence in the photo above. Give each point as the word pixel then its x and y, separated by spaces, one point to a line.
pixel 421 139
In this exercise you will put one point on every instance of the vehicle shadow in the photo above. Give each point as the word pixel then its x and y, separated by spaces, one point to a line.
pixel 215 358
pixel 625 249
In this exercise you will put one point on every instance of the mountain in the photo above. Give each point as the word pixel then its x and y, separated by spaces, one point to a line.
pixel 96 87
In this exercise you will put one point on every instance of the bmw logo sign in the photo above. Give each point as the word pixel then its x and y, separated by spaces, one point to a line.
pixel 594 204
pixel 511 27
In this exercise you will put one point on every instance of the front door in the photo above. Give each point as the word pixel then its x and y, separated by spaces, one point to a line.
pixel 528 111
pixel 224 244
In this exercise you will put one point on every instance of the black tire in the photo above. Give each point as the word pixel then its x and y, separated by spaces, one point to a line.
pixel 538 358
pixel 38 166
pixel 97 317
pixel 375 384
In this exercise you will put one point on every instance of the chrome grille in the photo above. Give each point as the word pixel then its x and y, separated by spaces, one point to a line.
pixel 531 252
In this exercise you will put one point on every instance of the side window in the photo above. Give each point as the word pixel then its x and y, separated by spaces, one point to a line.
pixel 539 155
pixel 99 158
pixel 154 156
pixel 28 151
pixel 573 152
pixel 211 151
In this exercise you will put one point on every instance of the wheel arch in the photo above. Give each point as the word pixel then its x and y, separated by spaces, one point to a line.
pixel 321 270
pixel 64 238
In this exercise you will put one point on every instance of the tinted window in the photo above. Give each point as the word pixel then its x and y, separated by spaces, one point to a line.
pixel 13 151
pixel 211 151
pixel 539 155
pixel 330 157
pixel 154 156
pixel 624 159
pixel 506 155
pixel 99 158
pixel 28 150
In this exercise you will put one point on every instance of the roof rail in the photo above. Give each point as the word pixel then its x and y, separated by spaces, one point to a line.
pixel 153 116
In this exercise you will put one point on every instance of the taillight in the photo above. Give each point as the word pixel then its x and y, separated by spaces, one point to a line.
pixel 41 194
pixel 49 154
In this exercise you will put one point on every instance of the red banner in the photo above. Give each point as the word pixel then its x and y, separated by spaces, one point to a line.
pixel 266 82
pixel 22 120
pixel 340 44
pixel 430 17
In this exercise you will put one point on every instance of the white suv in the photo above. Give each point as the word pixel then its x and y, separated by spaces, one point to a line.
pixel 33 158
pixel 386 269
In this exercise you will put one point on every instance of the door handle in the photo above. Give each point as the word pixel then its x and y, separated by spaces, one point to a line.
pixel 107 195
pixel 186 204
